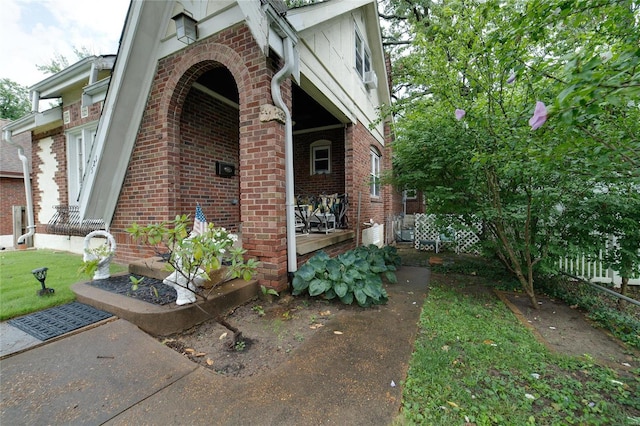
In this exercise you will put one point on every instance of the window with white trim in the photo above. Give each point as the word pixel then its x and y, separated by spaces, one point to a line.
pixel 375 173
pixel 410 194
pixel 320 157
pixel 79 143
pixel 363 56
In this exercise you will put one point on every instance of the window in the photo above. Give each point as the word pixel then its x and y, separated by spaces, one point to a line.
pixel 79 143
pixel 410 194
pixel 363 57
pixel 320 157
pixel 375 173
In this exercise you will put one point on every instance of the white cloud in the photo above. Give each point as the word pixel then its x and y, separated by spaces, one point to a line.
pixel 33 31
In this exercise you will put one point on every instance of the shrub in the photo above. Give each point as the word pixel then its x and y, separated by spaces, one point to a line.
pixel 355 275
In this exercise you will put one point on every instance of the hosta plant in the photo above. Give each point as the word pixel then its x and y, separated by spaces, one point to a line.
pixel 356 275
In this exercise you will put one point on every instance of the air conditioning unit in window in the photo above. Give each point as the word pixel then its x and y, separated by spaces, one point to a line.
pixel 370 80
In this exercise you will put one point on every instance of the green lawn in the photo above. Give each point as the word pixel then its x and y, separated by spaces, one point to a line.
pixel 19 288
pixel 474 363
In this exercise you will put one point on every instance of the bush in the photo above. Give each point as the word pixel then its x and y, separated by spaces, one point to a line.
pixel 355 275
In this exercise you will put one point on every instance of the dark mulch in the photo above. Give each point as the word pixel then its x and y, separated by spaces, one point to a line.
pixel 150 290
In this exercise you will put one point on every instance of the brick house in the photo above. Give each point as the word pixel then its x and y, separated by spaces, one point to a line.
pixel 261 108
pixel 12 188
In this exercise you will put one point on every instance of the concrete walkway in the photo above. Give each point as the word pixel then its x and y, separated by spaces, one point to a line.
pixel 117 374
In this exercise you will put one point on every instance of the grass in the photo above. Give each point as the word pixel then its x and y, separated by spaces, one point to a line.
pixel 19 288
pixel 474 363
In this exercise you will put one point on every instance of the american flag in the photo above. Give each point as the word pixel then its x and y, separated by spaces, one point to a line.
pixel 200 222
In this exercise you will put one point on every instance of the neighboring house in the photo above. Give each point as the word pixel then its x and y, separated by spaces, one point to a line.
pixel 12 198
pixel 414 201
pixel 264 107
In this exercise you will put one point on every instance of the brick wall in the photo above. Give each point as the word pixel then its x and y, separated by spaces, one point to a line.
pixel 358 166
pixel 307 184
pixel 59 152
pixel 172 133
pixel 12 195
pixel 209 133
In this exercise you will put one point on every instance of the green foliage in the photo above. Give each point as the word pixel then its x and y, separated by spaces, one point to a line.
pixel 356 275
pixel 193 255
pixel 268 291
pixel 90 265
pixel 495 60
pixel 135 282
pixel 474 363
pixel 14 100
pixel 19 288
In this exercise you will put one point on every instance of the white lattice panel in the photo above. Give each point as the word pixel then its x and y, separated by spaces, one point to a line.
pixel 426 232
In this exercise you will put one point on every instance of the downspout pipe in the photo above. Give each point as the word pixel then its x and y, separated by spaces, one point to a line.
pixel 276 94
pixel 31 228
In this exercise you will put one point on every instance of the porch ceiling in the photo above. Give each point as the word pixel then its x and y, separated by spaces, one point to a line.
pixel 308 113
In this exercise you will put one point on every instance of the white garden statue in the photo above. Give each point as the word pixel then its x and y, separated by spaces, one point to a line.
pixel 185 287
pixel 103 254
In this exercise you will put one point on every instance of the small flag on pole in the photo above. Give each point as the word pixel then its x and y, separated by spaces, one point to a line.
pixel 200 222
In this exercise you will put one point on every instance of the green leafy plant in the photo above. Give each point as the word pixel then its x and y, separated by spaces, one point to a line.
pixel 135 282
pixel 269 291
pixel 90 266
pixel 258 309
pixel 193 255
pixel 355 275
pixel 240 346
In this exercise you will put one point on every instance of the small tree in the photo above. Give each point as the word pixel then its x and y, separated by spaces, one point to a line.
pixel 14 100
pixel 194 255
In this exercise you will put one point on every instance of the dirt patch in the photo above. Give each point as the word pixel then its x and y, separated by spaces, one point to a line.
pixel 567 330
pixel 271 332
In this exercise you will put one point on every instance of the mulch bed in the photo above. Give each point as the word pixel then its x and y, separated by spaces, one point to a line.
pixel 150 290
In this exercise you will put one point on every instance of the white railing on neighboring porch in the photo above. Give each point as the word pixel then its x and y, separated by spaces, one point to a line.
pixel 593 270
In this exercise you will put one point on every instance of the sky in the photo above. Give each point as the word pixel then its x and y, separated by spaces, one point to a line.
pixel 33 31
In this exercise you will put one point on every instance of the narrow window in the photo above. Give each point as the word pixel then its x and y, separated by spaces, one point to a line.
pixel 321 157
pixel 359 55
pixel 79 144
pixel 375 173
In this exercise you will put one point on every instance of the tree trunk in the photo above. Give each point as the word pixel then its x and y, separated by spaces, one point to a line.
pixel 623 291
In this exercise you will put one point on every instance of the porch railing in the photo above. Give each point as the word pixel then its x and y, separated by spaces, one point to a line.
pixel 66 221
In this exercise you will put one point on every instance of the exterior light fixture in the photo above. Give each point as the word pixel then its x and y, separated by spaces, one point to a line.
pixel 41 275
pixel 186 28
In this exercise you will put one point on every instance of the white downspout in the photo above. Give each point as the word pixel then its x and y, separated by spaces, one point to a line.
pixel 276 94
pixel 31 228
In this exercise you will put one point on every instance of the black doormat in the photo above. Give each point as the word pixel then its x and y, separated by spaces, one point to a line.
pixel 56 321
pixel 150 290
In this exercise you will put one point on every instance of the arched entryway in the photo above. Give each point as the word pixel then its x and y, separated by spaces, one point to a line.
pixel 208 146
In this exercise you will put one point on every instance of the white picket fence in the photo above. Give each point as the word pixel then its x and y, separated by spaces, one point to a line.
pixel 593 270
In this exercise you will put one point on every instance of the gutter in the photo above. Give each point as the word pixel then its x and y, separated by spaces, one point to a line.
pixel 31 228
pixel 276 94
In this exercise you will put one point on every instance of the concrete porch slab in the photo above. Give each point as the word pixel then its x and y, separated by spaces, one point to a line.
pixel 162 320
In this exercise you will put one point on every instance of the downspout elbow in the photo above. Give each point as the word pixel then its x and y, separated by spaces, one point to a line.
pixel 31 228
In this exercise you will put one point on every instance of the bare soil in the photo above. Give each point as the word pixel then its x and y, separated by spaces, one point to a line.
pixel 567 330
pixel 272 329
